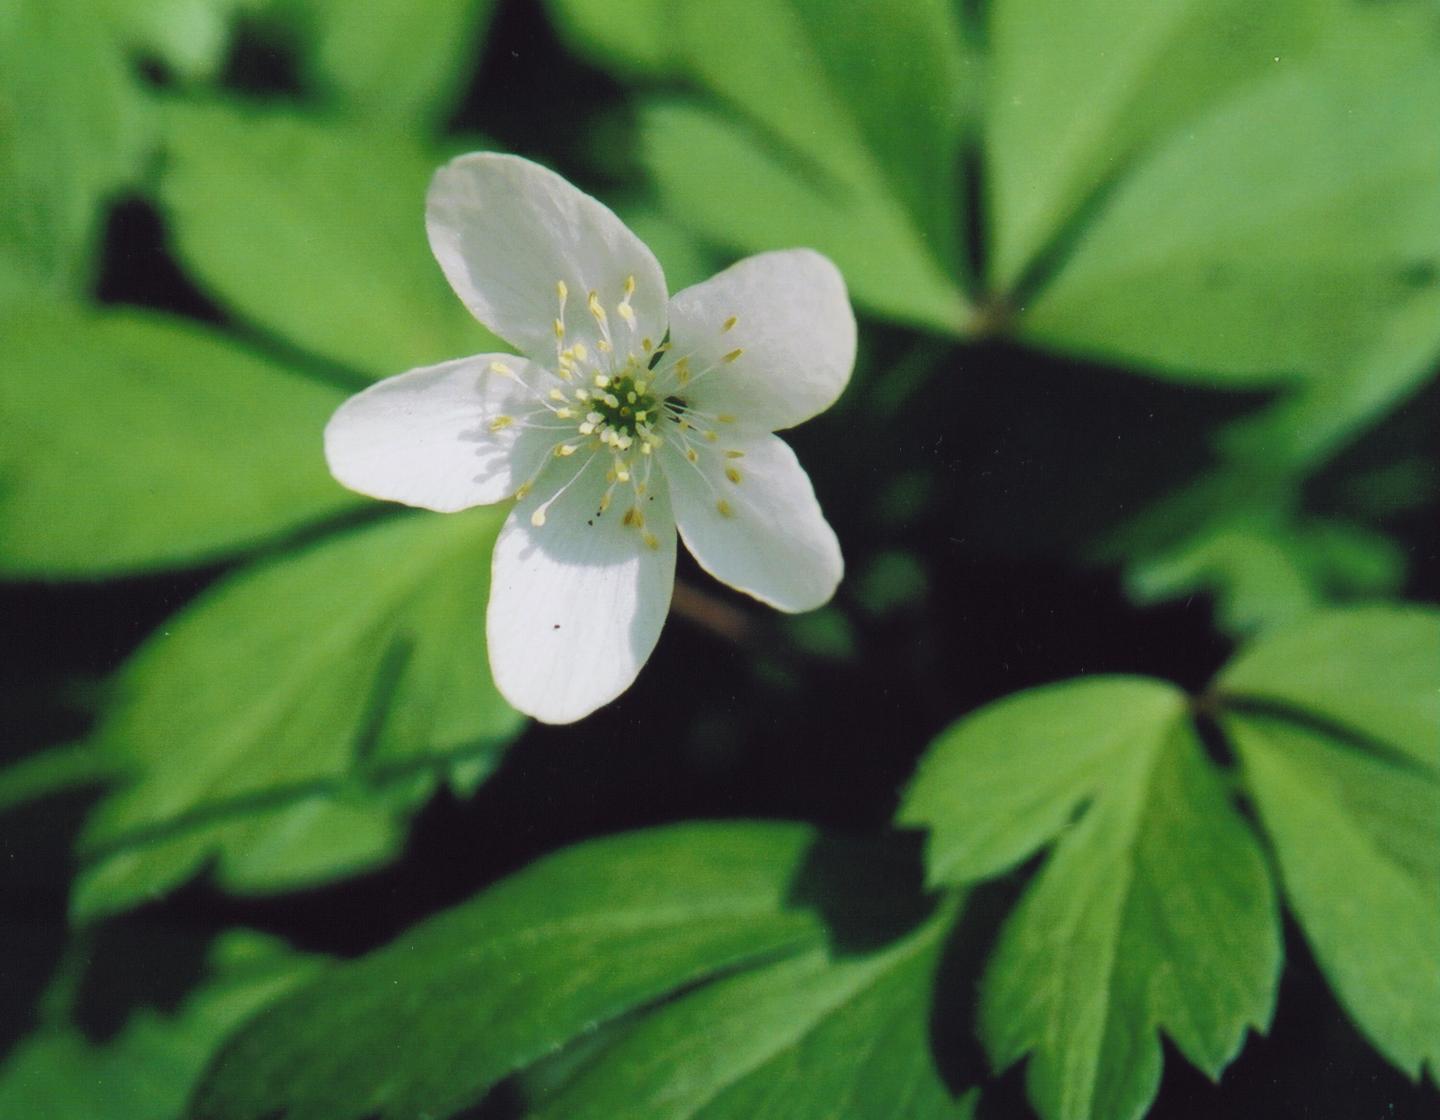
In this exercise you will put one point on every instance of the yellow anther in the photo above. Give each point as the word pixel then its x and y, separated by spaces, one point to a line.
pixel 650 541
pixel 559 328
pixel 633 516
pixel 565 450
pixel 564 414
pixel 733 475
pixel 580 352
pixel 562 291
pixel 502 369
pixel 730 357
pixel 525 488
pixel 631 397
pixel 734 454
pixel 723 507
pixel 725 418
pixel 556 395
pixel 500 423
pixel 629 286
pixel 601 381
pixel 641 386
pixel 538 517
pixel 627 313
pixel 729 323
pixel 603 345
pixel 595 309
pixel 711 436
pixel 622 474
pixel 692 455
pixel 647 345
pixel 605 498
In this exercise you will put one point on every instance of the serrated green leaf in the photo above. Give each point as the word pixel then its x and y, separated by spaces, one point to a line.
pixel 1279 237
pixel 147 1070
pixel 1080 89
pixel 286 723
pixel 137 441
pixel 426 1025
pixel 1154 911
pixel 1357 840
pixel 1374 670
pixel 819 161
pixel 810 1037
pixel 400 62
pixel 998 784
pixel 316 232
pixel 72 131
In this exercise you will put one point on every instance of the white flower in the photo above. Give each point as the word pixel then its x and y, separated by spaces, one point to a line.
pixel 629 415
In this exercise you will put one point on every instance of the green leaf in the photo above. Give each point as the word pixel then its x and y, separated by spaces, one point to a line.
pixel 1373 670
pixel 1079 90
pixel 72 131
pixel 138 441
pixel 1282 236
pixel 818 160
pixel 1267 571
pixel 399 62
pixel 1357 839
pixel 317 233
pixel 574 941
pixel 286 723
pixel 810 1037
pixel 190 36
pixel 631 37
pixel 1154 911
pixel 146 1071
pixel 998 784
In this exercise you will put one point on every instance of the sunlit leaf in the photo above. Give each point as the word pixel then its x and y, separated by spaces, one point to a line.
pixel 394 61
pixel 814 156
pixel 427 1024
pixel 1079 90
pixel 316 232
pixel 1154 912
pixel 1373 670
pixel 286 724
pixel 628 36
pixel 72 129
pixel 811 1037
pixel 1281 236
pixel 147 1070
pixel 134 440
pixel 1357 840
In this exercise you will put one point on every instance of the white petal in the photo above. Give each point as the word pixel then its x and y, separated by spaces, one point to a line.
pixel 770 539
pixel 576 604
pixel 425 437
pixel 505 230
pixel 793 327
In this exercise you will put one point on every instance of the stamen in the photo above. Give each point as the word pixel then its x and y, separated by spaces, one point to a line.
pixel 724 508
pixel 733 475
pixel 729 323
pixel 730 357
pixel 500 423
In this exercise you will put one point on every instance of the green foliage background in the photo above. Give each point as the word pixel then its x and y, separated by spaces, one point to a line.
pixel 1122 737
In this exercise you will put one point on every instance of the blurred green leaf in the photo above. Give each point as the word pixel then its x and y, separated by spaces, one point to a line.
pixel 1079 90
pixel 136 441
pixel 286 723
pixel 815 1036
pixel 489 987
pixel 814 156
pixel 1280 236
pixel 1155 910
pixel 192 37
pixel 631 37
pixel 146 1072
pixel 1373 670
pixel 316 232
pixel 1266 572
pixel 398 62
pixel 72 132
pixel 1357 840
